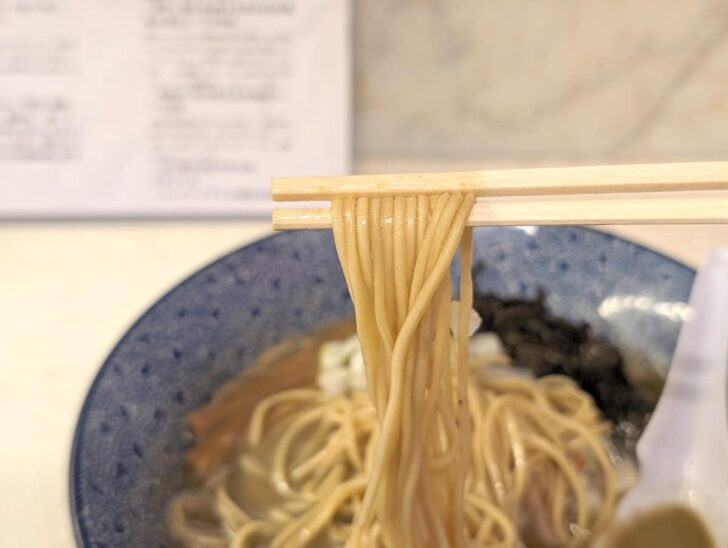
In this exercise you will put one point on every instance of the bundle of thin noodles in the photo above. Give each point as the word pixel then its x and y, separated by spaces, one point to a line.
pixel 434 453
pixel 396 255
pixel 537 463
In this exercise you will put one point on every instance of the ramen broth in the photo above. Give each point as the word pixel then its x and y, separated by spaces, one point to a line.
pixel 219 426
pixel 669 526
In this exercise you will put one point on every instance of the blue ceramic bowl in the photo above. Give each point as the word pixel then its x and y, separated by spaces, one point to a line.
pixel 127 452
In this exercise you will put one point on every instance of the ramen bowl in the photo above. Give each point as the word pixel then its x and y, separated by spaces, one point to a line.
pixel 127 457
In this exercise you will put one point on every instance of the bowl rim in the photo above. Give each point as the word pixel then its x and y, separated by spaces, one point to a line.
pixel 80 532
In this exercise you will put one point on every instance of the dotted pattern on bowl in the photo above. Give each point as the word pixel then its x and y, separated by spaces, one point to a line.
pixel 127 456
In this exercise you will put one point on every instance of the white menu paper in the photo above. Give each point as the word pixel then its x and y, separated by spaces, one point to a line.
pixel 168 107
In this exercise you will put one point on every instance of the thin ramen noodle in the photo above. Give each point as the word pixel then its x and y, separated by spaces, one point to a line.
pixel 436 451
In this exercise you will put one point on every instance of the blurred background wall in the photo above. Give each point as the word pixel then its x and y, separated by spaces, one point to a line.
pixel 469 82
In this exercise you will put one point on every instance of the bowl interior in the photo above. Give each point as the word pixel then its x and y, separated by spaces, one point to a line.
pixel 127 454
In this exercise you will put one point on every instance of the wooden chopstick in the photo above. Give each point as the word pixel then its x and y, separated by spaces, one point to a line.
pixel 591 211
pixel 512 182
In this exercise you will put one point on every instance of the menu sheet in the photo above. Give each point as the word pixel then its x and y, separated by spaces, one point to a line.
pixel 168 107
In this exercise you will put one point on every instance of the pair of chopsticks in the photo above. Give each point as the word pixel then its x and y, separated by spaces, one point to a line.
pixel 510 186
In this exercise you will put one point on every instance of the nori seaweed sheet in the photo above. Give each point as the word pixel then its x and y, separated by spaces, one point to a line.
pixel 548 345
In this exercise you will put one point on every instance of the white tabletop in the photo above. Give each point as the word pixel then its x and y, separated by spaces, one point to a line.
pixel 67 293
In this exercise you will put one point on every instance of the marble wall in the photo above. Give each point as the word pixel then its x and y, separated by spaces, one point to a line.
pixel 541 81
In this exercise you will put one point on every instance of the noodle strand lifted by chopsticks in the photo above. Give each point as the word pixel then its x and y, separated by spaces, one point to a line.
pixel 412 505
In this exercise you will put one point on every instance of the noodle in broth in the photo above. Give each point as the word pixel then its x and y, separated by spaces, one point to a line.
pixel 435 451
